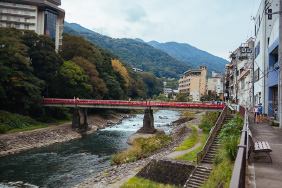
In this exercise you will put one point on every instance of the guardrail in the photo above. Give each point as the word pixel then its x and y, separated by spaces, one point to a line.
pixel 239 172
pixel 201 154
pixel 131 103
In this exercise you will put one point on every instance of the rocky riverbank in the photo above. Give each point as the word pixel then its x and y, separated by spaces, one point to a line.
pixel 13 143
pixel 115 176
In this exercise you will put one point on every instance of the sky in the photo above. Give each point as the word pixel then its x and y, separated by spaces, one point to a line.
pixel 215 26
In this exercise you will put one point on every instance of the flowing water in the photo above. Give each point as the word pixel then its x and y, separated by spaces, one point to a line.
pixel 67 164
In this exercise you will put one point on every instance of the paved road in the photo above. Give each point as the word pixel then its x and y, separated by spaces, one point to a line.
pixel 264 174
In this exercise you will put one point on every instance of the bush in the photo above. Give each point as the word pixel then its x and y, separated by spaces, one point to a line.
pixel 208 120
pixel 9 121
pixel 142 148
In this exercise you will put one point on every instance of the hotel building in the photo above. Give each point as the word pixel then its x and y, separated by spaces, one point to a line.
pixel 42 16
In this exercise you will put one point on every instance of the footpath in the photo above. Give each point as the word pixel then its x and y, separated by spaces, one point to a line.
pixel 262 174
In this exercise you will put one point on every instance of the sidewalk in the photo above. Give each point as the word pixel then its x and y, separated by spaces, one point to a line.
pixel 267 175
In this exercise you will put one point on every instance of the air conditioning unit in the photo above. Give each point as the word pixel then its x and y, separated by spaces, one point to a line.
pixel 249 50
pixel 243 49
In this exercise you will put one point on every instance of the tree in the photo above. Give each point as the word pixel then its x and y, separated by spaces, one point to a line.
pixel 74 81
pixel 19 87
pixel 98 85
pixel 45 61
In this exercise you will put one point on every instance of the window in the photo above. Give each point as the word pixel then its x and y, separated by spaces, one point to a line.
pixel 17 19
pixel 9 17
pixel 27 12
pixel 26 19
pixel 1 17
pixel 26 26
pixel 8 24
pixel 257 49
pixel 17 11
pixel 1 24
pixel 243 83
pixel 1 10
pixel 269 11
pixel 17 26
pixel 214 80
pixel 256 76
pixel 9 10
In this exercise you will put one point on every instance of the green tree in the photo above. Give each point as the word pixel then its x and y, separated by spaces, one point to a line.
pixel 74 81
pixel 98 85
pixel 20 86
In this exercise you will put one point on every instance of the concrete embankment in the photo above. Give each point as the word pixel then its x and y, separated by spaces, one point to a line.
pixel 13 143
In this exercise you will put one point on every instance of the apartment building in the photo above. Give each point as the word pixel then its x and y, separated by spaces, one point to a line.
pixel 238 75
pixel 42 16
pixel 215 84
pixel 193 80
pixel 266 70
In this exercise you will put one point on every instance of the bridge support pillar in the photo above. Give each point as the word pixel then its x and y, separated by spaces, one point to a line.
pixel 79 119
pixel 148 123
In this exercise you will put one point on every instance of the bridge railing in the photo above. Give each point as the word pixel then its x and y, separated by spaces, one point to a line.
pixel 239 171
pixel 131 103
pixel 202 153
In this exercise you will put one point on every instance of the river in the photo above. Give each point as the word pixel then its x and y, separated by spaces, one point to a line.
pixel 67 164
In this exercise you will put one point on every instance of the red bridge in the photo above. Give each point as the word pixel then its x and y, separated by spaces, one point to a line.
pixel 79 120
pixel 120 104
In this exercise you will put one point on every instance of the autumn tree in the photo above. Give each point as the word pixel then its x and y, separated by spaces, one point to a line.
pixel 99 88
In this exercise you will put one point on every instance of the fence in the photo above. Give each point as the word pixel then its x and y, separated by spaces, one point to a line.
pixel 239 172
pixel 202 153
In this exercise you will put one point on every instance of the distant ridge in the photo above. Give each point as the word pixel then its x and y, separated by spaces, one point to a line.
pixel 135 52
pixel 192 55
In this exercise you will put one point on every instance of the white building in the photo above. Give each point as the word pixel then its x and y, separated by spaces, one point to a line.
pixel 215 84
pixel 42 16
pixel 195 95
pixel 167 91
pixel 265 37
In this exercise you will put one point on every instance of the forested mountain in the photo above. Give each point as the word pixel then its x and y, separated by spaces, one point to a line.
pixel 191 55
pixel 30 68
pixel 137 54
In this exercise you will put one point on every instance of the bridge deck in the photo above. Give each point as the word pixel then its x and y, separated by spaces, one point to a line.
pixel 119 104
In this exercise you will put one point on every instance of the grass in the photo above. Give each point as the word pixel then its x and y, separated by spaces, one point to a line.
pixel 192 155
pixel 144 183
pixel 221 174
pixel 190 141
pixel 27 128
pixel 142 148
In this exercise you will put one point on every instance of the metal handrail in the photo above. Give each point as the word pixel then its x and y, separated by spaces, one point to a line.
pixel 130 103
pixel 201 154
pixel 239 172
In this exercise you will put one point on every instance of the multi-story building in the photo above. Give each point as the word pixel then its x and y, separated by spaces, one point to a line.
pixel 42 16
pixel 238 74
pixel 215 84
pixel 193 80
pixel 266 68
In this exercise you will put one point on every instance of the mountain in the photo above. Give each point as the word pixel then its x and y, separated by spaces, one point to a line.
pixel 138 54
pixel 192 55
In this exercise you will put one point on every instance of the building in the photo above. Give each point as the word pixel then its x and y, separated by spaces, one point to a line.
pixel 195 95
pixel 193 80
pixel 167 91
pixel 137 70
pixel 42 16
pixel 215 84
pixel 266 67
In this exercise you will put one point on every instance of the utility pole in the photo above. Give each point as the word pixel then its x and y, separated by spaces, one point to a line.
pixel 280 63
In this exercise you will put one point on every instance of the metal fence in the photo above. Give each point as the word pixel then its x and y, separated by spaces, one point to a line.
pixel 239 172
pixel 202 153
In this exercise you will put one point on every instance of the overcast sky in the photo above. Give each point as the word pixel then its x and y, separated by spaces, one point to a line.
pixel 215 26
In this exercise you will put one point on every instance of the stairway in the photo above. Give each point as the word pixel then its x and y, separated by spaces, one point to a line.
pixel 215 144
pixel 201 173
pixel 198 178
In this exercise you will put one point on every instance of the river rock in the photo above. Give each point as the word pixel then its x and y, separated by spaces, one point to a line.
pixel 132 137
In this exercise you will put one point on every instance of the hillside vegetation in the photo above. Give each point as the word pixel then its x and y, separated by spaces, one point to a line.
pixel 137 54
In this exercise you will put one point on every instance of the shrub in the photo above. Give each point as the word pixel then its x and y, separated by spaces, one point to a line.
pixel 142 148
pixel 9 121
pixel 208 120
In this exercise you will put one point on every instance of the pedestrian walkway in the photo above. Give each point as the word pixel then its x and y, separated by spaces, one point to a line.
pixel 262 174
